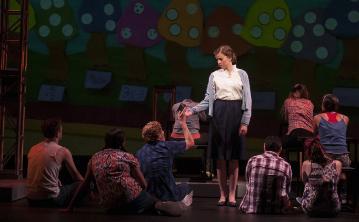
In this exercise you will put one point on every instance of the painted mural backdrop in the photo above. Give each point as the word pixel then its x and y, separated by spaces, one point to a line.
pixel 109 54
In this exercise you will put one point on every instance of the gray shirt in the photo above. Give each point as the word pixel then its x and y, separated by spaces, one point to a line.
pixel 192 121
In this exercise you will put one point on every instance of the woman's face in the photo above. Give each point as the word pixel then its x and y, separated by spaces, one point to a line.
pixel 223 61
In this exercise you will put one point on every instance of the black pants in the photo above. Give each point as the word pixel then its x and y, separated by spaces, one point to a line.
pixel 62 200
pixel 294 138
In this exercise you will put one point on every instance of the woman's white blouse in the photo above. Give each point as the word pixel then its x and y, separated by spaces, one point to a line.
pixel 227 86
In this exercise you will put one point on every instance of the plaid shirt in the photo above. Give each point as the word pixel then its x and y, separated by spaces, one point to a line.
pixel 299 114
pixel 269 163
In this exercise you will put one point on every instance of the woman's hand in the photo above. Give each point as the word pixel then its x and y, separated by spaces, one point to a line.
pixel 243 130
pixel 188 112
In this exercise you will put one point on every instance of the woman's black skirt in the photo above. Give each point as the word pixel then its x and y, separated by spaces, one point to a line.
pixel 225 143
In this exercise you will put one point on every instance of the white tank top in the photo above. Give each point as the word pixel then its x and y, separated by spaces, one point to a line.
pixel 43 172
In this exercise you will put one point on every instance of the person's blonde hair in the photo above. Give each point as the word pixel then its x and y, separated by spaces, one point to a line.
pixel 152 131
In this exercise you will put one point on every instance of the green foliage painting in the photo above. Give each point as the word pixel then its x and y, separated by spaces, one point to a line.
pixel 111 53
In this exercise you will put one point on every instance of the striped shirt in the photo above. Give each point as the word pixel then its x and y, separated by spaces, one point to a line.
pixel 269 163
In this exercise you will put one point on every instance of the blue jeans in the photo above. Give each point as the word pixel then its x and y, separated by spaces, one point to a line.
pixel 143 203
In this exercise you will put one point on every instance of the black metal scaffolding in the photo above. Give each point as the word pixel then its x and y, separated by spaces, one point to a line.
pixel 13 63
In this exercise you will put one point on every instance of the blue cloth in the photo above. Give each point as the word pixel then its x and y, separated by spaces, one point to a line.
pixel 333 136
pixel 144 202
pixel 156 161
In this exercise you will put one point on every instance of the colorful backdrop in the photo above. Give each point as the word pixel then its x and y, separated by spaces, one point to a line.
pixel 98 61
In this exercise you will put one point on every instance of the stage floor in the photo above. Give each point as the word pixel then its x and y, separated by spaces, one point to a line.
pixel 203 209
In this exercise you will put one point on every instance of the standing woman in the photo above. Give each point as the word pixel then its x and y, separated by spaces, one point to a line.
pixel 229 102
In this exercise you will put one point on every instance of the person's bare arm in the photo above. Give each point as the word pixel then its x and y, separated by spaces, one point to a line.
pixel 138 175
pixel 338 166
pixel 346 119
pixel 71 167
pixel 304 172
pixel 81 188
pixel 187 134
pixel 316 121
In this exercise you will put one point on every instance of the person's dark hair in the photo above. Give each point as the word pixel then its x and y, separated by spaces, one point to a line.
pixel 115 139
pixel 227 51
pixel 315 152
pixel 330 103
pixel 152 131
pixel 272 143
pixel 302 89
pixel 51 127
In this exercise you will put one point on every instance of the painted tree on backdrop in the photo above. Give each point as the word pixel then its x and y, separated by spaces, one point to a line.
pixel 137 30
pixel 266 26
pixel 181 24
pixel 221 27
pixel 342 21
pixel 310 44
pixel 99 18
pixel 55 26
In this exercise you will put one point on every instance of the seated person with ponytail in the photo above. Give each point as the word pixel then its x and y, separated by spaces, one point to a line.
pixel 320 174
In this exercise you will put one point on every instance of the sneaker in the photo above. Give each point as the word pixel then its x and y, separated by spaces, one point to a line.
pixel 299 200
pixel 187 200
pixel 343 197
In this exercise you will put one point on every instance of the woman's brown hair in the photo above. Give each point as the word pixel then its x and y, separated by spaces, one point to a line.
pixel 227 51
pixel 301 89
pixel 330 103
pixel 315 151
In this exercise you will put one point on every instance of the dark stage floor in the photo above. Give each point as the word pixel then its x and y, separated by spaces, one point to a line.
pixel 202 210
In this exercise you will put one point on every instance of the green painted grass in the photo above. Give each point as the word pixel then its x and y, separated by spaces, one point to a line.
pixel 86 139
